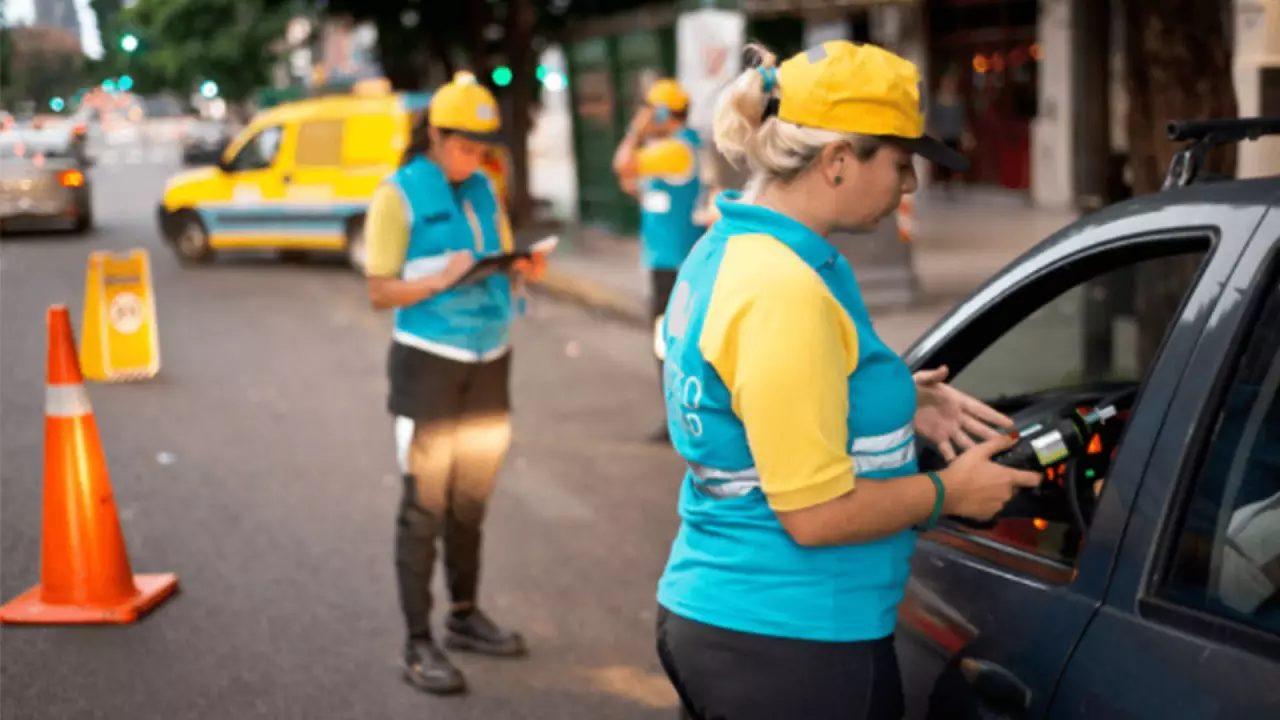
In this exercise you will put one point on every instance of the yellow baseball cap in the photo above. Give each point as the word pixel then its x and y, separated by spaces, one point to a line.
pixel 863 89
pixel 667 93
pixel 466 107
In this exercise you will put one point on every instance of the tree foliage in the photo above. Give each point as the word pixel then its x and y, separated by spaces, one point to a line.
pixel 235 43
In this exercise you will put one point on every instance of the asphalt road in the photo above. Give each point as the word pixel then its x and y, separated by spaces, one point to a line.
pixel 258 466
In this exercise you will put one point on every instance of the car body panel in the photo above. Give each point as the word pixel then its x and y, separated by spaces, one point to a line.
pixel 987 628
pixel 43 183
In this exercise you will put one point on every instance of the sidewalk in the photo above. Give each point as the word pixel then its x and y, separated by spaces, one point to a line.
pixel 959 243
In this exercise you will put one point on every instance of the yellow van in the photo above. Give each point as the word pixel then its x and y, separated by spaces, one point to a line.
pixel 298 178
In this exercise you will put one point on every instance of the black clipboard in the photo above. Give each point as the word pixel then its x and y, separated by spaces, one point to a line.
pixel 487 267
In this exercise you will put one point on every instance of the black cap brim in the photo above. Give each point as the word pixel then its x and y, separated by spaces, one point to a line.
pixel 486 138
pixel 933 150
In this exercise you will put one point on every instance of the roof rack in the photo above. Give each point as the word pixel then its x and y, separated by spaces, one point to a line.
pixel 1204 135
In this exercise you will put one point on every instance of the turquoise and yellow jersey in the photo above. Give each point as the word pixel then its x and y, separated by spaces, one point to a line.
pixel 780 397
pixel 669 189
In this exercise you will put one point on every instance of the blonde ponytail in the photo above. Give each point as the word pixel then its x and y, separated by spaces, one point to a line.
pixel 740 107
pixel 775 150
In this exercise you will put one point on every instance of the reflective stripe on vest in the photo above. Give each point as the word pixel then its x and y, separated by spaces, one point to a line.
pixel 876 452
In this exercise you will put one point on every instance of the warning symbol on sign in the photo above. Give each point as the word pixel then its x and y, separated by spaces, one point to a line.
pixel 126 313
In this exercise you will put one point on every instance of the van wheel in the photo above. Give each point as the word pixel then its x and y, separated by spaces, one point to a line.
pixel 191 239
pixel 355 244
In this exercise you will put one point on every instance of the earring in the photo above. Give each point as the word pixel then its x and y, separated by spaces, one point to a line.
pixel 839 179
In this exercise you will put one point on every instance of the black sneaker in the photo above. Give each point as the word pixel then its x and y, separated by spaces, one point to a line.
pixel 427 668
pixel 473 631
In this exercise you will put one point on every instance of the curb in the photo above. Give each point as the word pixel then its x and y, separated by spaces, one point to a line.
pixel 579 291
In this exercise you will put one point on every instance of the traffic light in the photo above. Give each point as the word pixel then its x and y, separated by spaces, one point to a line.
pixel 128 42
pixel 125 82
pixel 502 76
pixel 209 89
pixel 542 73
pixel 57 104
pixel 109 84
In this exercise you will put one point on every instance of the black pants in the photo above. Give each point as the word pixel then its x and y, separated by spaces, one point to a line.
pixel 453 429
pixel 661 283
pixel 727 675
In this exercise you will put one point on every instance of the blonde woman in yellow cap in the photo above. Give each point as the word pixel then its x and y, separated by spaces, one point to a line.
pixel 803 497
pixel 449 367
pixel 664 174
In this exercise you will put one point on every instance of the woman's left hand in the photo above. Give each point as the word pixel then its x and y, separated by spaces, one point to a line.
pixel 950 418
pixel 532 269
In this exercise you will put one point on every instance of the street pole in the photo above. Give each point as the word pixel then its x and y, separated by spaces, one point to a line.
pixel 1091 51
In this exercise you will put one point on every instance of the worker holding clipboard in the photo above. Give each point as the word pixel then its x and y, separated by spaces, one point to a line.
pixel 440 254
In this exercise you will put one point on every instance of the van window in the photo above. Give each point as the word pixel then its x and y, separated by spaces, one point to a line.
pixel 319 144
pixel 371 140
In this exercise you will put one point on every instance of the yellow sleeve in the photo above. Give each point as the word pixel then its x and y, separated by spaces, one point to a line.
pixel 386 233
pixel 665 157
pixel 785 348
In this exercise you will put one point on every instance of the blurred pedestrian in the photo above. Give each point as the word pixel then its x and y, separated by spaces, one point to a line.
pixel 949 122
pixel 664 173
pixel 803 496
pixel 449 367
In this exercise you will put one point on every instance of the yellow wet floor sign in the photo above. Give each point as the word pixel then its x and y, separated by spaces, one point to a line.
pixel 120 340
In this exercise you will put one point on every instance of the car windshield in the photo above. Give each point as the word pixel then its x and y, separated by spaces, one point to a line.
pixel 30 143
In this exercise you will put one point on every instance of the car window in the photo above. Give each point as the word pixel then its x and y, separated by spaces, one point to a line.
pixel 260 152
pixel 1097 337
pixel 1226 555
pixel 319 144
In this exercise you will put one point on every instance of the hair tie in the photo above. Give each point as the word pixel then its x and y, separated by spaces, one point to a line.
pixel 770 77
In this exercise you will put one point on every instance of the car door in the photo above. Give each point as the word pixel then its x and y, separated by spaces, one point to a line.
pixel 312 189
pixel 992 614
pixel 1191 623
pixel 250 213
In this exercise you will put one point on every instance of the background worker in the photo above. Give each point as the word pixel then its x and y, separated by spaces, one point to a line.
pixel 449 367
pixel 664 174
pixel 801 504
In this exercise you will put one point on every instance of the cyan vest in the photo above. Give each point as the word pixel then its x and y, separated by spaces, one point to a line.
pixel 667 230
pixel 732 564
pixel 469 323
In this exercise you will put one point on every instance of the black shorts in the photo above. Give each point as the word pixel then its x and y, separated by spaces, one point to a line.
pixel 426 387
pixel 661 283
pixel 723 674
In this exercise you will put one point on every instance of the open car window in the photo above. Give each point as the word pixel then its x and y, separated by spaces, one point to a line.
pixel 1092 338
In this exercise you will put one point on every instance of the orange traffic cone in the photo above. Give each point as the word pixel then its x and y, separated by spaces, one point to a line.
pixel 85 575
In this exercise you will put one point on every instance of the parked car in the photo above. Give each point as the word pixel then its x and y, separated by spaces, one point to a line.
pixel 43 183
pixel 1143 579
pixel 203 142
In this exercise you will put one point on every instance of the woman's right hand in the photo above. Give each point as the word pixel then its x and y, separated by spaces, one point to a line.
pixel 976 487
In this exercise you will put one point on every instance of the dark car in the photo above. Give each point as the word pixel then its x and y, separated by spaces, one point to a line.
pixel 203 142
pixel 1142 580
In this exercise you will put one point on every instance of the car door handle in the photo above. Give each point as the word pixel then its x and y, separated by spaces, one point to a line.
pixel 999 689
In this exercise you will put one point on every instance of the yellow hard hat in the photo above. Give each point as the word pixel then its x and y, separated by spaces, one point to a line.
pixel 466 107
pixel 667 93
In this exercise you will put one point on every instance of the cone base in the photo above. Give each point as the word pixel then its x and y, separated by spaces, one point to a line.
pixel 29 609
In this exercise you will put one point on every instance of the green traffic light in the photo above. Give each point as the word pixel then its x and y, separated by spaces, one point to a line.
pixel 129 43
pixel 125 82
pixel 542 73
pixel 502 76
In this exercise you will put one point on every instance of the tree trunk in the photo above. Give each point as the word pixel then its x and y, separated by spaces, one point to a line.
pixel 478 17
pixel 1178 67
pixel 520 57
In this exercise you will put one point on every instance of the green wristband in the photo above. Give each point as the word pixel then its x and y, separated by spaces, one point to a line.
pixel 940 494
